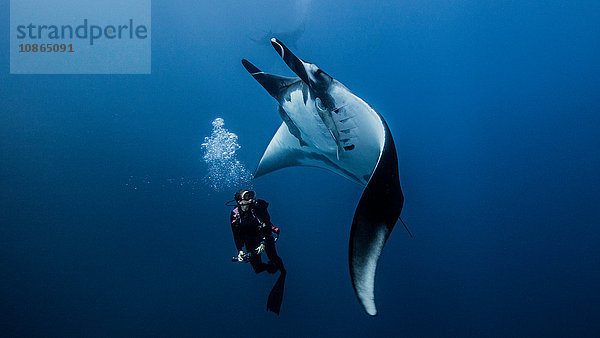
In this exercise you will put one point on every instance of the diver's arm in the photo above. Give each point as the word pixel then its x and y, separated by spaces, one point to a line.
pixel 235 229
pixel 261 212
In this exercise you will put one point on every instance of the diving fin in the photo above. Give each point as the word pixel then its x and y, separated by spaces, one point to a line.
pixel 276 294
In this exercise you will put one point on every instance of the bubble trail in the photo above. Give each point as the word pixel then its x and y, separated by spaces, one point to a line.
pixel 225 171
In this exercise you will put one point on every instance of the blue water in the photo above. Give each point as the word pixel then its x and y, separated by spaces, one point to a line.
pixel 108 227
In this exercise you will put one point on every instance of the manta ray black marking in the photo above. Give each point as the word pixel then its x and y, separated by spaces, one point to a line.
pixel 325 125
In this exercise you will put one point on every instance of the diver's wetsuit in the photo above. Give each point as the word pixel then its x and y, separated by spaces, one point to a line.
pixel 251 228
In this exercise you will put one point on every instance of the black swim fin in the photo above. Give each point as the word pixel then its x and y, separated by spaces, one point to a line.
pixel 276 295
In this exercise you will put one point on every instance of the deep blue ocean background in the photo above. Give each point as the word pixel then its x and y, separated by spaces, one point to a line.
pixel 108 229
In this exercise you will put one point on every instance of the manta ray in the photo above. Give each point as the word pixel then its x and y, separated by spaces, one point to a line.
pixel 325 125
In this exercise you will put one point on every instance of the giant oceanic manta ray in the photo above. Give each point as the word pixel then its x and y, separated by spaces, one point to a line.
pixel 327 126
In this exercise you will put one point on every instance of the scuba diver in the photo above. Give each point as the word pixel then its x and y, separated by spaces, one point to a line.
pixel 252 229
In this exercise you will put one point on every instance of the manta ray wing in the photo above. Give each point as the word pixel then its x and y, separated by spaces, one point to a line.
pixel 374 218
pixel 285 150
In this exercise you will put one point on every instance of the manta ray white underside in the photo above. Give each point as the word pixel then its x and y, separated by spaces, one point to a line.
pixel 363 132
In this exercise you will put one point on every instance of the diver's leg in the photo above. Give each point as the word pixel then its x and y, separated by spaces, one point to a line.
pixel 276 294
pixel 275 260
pixel 258 265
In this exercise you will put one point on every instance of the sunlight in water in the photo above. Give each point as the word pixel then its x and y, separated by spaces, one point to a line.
pixel 225 171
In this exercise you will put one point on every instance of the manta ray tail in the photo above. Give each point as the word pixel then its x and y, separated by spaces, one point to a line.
pixel 374 219
pixel 272 83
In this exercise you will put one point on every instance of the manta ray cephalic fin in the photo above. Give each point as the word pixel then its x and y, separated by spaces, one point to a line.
pixel 274 84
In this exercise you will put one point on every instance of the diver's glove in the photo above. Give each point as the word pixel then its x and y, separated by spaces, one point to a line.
pixel 260 248
pixel 239 257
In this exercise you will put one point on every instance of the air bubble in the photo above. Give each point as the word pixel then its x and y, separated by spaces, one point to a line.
pixel 225 171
